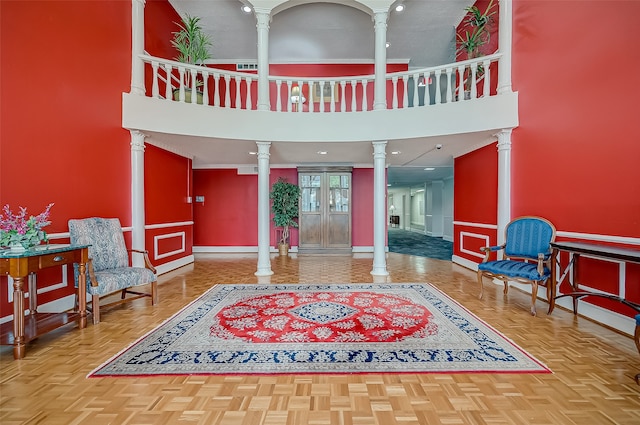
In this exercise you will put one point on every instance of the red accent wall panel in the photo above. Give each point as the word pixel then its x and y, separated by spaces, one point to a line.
pixel 228 215
pixel 362 204
pixel 168 183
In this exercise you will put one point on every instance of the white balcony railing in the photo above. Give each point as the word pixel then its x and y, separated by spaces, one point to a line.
pixel 175 81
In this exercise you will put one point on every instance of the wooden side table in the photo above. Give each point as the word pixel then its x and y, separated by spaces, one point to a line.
pixel 19 265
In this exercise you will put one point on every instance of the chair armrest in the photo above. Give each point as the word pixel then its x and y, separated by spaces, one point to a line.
pixel 542 258
pixel 92 273
pixel 488 249
pixel 147 262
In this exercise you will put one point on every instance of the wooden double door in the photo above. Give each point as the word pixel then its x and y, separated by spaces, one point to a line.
pixel 325 210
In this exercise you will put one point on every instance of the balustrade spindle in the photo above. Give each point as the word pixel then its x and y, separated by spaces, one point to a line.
pixel 155 91
pixel 333 99
pixel 168 88
pixel 205 88
pixel 394 102
pixel 449 85
pixel 194 86
pixel 343 103
pixel 474 82
pixel 249 104
pixel 487 78
pixel 365 103
pixel 216 89
pixel 310 85
pixel 238 103
pixel 353 95
pixel 461 83
pixel 405 91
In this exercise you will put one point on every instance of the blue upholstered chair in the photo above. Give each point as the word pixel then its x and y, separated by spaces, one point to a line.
pixel 108 269
pixel 527 256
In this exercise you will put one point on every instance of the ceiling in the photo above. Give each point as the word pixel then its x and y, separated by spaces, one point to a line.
pixel 422 35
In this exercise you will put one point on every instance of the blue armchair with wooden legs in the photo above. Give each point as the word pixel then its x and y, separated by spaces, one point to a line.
pixel 527 257
pixel 108 269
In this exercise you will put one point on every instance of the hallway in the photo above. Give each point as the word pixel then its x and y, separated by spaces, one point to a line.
pixel 414 243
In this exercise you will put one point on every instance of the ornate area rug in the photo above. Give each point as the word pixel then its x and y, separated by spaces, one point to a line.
pixel 336 328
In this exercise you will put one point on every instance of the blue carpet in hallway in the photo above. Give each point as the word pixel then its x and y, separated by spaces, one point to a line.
pixel 413 243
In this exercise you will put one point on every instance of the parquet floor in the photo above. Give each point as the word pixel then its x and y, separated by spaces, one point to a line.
pixel 592 381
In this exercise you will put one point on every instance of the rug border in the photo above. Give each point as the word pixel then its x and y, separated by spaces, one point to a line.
pixel 544 368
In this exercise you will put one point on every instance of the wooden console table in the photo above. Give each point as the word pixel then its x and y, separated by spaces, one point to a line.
pixel 19 265
pixel 598 251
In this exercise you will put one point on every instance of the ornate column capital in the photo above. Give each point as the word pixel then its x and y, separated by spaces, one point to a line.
pixel 504 139
pixel 263 17
pixel 380 18
pixel 379 149
pixel 137 140
pixel 263 150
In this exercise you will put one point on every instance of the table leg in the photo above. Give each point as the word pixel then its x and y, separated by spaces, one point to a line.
pixel 33 293
pixel 18 318
pixel 553 282
pixel 82 295
pixel 574 281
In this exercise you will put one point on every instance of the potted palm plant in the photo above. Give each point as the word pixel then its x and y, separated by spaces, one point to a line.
pixel 284 197
pixel 192 44
pixel 475 33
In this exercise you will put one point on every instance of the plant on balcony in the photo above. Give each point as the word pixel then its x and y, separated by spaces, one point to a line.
pixel 192 44
pixel 285 197
pixel 475 33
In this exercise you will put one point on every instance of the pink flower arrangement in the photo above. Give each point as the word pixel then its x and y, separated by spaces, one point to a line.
pixel 17 229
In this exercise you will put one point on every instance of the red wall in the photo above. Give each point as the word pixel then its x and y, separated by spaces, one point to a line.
pixel 65 143
pixel 61 134
pixel 575 153
pixel 475 200
pixel 587 137
pixel 229 215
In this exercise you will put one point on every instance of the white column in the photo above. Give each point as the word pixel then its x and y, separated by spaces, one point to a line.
pixel 137 47
pixel 505 39
pixel 504 182
pixel 137 196
pixel 263 18
pixel 379 209
pixel 380 91
pixel 264 261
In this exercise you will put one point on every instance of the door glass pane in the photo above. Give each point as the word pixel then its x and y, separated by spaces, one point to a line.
pixel 334 181
pixel 310 199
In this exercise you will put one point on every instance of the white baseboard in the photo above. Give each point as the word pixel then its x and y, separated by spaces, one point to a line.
pixel 175 264
pixel 464 263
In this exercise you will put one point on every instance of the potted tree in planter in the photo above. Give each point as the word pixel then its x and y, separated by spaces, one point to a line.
pixel 284 197
pixel 192 44
pixel 474 34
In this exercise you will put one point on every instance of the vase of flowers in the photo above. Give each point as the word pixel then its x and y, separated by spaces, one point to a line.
pixel 20 232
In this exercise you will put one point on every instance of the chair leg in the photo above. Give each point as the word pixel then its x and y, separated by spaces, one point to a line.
pixel 95 308
pixel 154 292
pixel 534 295
pixel 123 295
pixel 506 287
pixel 481 285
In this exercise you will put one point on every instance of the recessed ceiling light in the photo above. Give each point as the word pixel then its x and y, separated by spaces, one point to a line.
pixel 388 44
pixel 322 152
pixel 246 9
pixel 253 153
pixel 395 152
pixel 400 8
pixel 429 169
